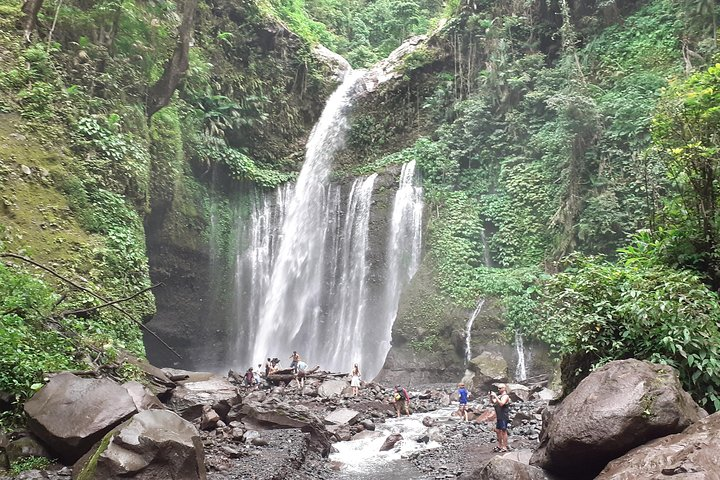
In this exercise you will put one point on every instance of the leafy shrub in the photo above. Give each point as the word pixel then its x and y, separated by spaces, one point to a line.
pixel 28 346
pixel 36 102
pixel 120 161
pixel 242 167
pixel 635 308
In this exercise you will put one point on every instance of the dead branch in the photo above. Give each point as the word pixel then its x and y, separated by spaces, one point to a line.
pixel 109 304
pixel 90 292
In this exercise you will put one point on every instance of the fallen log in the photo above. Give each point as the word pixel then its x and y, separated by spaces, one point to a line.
pixel 286 375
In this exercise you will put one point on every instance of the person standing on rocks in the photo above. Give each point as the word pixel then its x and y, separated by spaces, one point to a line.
pixel 294 359
pixel 501 402
pixel 268 367
pixel 463 400
pixel 301 370
pixel 249 378
pixel 355 380
pixel 402 399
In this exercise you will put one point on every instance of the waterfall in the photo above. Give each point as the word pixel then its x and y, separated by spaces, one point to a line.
pixel 520 371
pixel 292 309
pixel 253 266
pixel 306 276
pixel 468 330
pixel 487 260
pixel 403 256
pixel 343 340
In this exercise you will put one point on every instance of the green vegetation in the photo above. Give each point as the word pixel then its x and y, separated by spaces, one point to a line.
pixel 27 348
pixel 556 138
pixel 597 311
pixel 29 463
pixel 83 168
pixel 545 139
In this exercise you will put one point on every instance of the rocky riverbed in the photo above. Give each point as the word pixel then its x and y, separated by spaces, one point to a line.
pixel 435 443
pixel 628 420
pixel 322 432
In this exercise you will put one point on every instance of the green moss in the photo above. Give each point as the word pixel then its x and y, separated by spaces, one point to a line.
pixel 88 471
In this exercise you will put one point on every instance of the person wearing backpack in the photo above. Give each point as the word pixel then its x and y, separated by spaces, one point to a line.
pixel 402 400
pixel 501 403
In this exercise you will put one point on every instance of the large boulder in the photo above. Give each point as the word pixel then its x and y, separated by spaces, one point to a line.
pixel 690 454
pixel 281 415
pixel 153 444
pixel 390 442
pixel 502 468
pixel 143 398
pixel 201 389
pixel 70 413
pixel 332 388
pixel 620 406
pixel 489 368
pixel 342 416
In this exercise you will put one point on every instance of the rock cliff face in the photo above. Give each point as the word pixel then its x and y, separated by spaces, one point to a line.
pixel 179 226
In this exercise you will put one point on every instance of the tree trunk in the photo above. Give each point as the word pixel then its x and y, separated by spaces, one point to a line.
pixel 160 94
pixel 30 11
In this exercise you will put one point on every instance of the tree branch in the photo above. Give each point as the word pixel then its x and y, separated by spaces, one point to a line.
pixel 109 304
pixel 80 287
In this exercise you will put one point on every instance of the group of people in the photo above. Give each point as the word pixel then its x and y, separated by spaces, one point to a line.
pixel 401 399
pixel 501 403
pixel 298 367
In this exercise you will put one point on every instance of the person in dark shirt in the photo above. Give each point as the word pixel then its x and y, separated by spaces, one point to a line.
pixel 501 402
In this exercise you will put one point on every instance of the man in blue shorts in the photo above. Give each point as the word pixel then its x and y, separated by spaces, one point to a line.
pixel 501 402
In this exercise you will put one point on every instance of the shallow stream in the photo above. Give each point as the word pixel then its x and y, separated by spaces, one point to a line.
pixel 362 459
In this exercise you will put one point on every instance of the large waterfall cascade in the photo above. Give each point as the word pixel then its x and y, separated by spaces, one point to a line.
pixel 302 266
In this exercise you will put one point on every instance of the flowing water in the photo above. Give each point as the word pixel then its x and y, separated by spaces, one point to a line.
pixel 468 330
pixel 520 368
pixel 292 306
pixel 403 256
pixel 362 459
pixel 303 276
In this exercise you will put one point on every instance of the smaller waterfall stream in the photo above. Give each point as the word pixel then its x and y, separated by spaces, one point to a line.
pixel 486 248
pixel 468 330
pixel 520 369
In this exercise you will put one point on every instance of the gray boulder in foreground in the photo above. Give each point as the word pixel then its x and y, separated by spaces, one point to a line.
pixel 274 414
pixel 152 445
pixel 200 389
pixel 501 468
pixel 618 407
pixel 692 454
pixel 70 413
